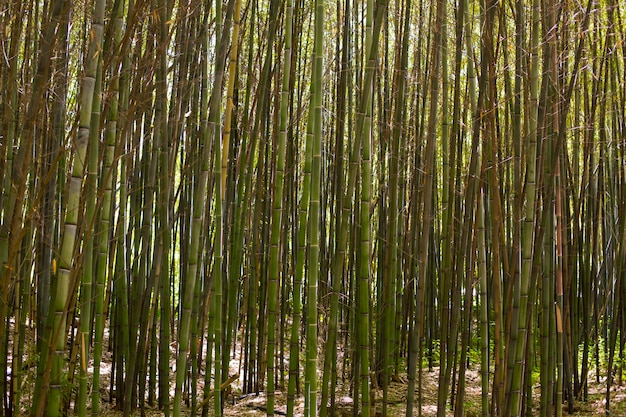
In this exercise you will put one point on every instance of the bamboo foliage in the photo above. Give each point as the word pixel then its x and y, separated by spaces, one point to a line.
pixel 205 200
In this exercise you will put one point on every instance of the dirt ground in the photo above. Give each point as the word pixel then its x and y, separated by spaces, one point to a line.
pixel 238 405
pixel 254 405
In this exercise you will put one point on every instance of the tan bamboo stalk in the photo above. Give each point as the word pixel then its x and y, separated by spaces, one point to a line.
pixel 67 255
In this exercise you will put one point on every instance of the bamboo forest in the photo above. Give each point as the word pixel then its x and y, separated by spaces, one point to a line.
pixel 312 208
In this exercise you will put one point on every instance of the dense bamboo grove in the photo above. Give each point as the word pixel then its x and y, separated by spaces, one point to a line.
pixel 310 197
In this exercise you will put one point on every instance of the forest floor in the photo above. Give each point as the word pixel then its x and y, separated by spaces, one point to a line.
pixel 251 405
pixel 396 402
pixel 239 405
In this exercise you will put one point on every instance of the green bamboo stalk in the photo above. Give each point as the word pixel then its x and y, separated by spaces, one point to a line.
pixel 254 365
pixel 141 277
pixel 236 236
pixel 615 209
pixel 466 324
pixel 9 125
pixel 364 274
pixel 217 276
pixel 547 304
pixel 164 282
pixel 19 331
pixel 197 215
pixel 210 338
pixel 189 282
pixel 528 225
pixel 294 345
pixel 391 272
pixel 314 212
pixel 559 316
pixel 119 292
pixel 417 287
pixel 219 175
pixel 449 316
pixel 163 208
pixel 343 209
pixel 484 309
pixel 202 171
pixel 21 136
pixel 86 292
pixel 106 184
pixel 248 285
pixel 8 194
pixel 144 276
pixel 261 219
pixel 51 167
pixel 277 212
